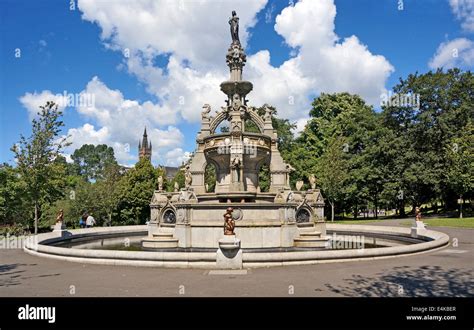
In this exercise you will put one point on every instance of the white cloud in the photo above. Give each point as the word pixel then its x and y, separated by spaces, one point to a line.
pixel 335 66
pixel 455 53
pixel 191 30
pixel 116 121
pixel 191 39
pixel 177 156
pixel 464 11
pixel 124 121
pixel 195 65
pixel 32 101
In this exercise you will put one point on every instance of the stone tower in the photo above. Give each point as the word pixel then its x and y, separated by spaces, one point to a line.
pixel 144 148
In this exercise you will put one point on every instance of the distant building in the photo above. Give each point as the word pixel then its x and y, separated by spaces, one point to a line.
pixel 144 149
pixel 170 171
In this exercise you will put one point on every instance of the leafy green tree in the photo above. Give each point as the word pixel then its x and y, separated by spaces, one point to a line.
pixel 178 177
pixel 460 174
pixel 108 191
pixel 135 192
pixel 35 159
pixel 91 161
pixel 422 132
pixel 335 118
pixel 210 177
pixel 332 172
pixel 13 206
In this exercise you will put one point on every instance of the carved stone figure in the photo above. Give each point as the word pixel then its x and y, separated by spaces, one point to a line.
pixel 234 28
pixel 229 222
pixel 176 186
pixel 236 103
pixel 235 164
pixel 268 113
pixel 312 181
pixel 160 183
pixel 206 111
pixel 60 217
pixel 188 179
pixel 299 185
pixel 235 57
pixel 417 214
pixel 289 169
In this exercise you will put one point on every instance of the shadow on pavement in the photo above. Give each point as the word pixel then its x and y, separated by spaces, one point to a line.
pixel 405 281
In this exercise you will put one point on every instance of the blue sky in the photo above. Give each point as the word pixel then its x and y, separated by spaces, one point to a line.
pixel 155 63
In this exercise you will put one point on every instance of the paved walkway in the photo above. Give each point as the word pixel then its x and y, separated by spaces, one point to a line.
pixel 446 272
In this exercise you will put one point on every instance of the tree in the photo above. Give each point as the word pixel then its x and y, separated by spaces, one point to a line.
pixel 332 172
pixel 335 118
pixel 422 131
pixel 460 155
pixel 13 206
pixel 108 191
pixel 210 177
pixel 91 161
pixel 35 159
pixel 178 177
pixel 135 192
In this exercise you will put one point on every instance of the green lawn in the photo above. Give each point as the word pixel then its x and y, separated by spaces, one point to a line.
pixel 445 222
pixel 354 222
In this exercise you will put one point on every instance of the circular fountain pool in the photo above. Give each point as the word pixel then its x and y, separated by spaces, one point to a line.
pixel 121 246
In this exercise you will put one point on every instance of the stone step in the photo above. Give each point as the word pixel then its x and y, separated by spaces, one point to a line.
pixel 310 239
pixel 162 235
pixel 158 243
pixel 316 242
pixel 310 233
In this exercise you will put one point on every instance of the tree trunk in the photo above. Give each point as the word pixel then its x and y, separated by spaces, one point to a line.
pixel 110 219
pixel 332 211
pixel 36 218
pixel 460 206
pixel 402 209
pixel 376 206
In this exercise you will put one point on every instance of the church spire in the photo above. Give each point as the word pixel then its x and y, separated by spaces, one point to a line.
pixel 144 148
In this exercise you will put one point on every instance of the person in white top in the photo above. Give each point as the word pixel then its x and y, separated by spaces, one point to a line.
pixel 90 221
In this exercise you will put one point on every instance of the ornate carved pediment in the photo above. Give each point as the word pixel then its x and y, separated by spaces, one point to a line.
pixel 159 198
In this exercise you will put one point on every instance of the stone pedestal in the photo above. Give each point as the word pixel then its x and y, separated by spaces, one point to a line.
pixel 229 254
pixel 183 233
pixel 288 234
pixel 59 227
pixel 418 229
pixel 160 239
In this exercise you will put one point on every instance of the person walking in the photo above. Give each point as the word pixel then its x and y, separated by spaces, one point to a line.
pixel 84 219
pixel 90 221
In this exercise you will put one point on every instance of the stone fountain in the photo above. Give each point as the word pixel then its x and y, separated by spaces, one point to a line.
pixel 193 216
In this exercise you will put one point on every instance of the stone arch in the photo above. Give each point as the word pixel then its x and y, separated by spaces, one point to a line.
pixel 221 116
pixel 168 215
pixel 304 215
pixel 253 116
pixel 210 172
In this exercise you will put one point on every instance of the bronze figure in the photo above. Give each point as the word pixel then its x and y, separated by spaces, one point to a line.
pixel 229 222
pixel 234 28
